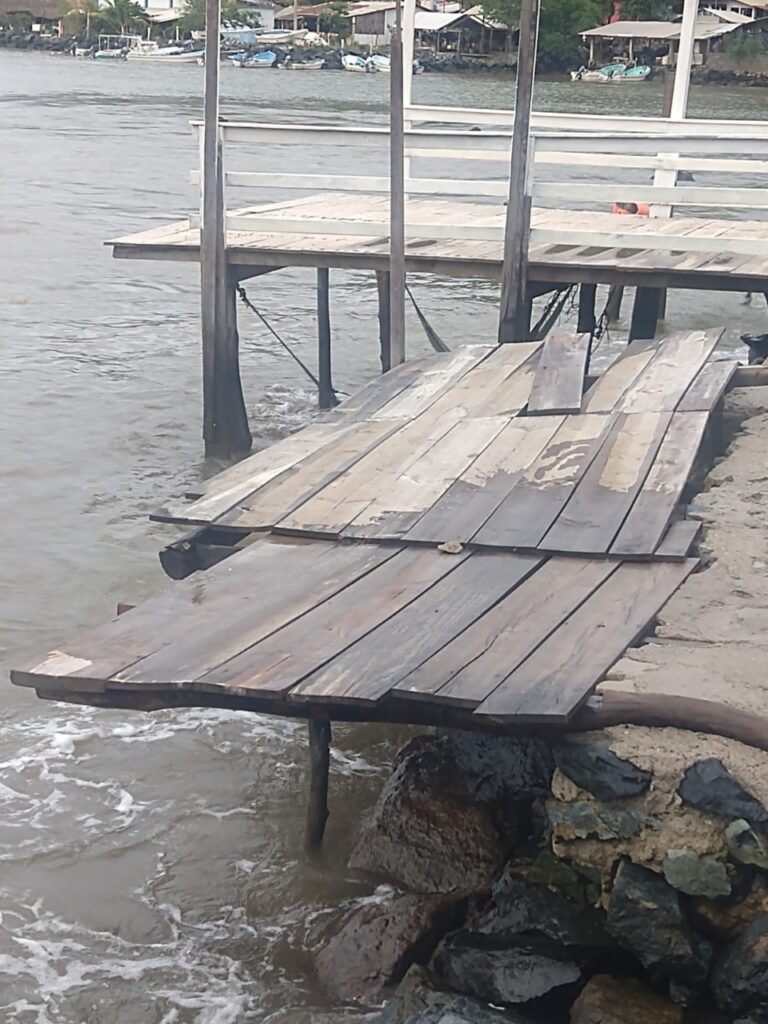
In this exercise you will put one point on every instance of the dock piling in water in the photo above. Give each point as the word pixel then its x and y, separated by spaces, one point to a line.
pixel 319 734
pixel 326 395
pixel 383 279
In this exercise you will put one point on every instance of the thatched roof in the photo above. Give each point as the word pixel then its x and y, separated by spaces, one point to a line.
pixel 47 10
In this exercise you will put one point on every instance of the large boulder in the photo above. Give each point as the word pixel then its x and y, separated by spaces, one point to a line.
pixel 740 978
pixel 426 832
pixel 607 1000
pixel 418 1000
pixel 709 786
pixel 594 767
pixel 379 939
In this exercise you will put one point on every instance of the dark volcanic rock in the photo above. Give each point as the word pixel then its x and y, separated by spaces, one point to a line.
pixel 688 872
pixel 378 941
pixel 759 1015
pixel 745 846
pixel 740 978
pixel 583 820
pixel 502 769
pixel 708 786
pixel 606 1000
pixel 646 918
pixel 517 973
pixel 426 832
pixel 418 1001
pixel 519 907
pixel 595 768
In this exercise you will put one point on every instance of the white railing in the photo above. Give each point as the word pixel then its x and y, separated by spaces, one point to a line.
pixel 606 156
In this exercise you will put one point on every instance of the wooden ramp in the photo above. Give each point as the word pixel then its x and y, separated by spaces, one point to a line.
pixel 348 602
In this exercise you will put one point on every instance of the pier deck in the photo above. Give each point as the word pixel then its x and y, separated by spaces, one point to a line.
pixel 565 536
pixel 591 247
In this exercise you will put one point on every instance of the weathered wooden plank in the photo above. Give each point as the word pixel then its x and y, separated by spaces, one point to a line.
pixel 472 499
pixel 559 676
pixel 709 386
pixel 559 381
pixel 679 539
pixel 535 501
pixel 369 669
pixel 280 496
pixel 604 495
pixel 654 506
pixel 331 510
pixel 667 377
pixel 291 654
pixel 468 669
pixel 608 389
pixel 499 385
pixel 399 506
pixel 433 383
pixel 283 571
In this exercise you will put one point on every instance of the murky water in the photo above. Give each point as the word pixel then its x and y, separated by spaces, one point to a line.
pixel 151 867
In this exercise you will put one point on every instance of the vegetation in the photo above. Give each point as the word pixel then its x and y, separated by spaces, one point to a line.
pixel 648 10
pixel 744 46
pixel 334 22
pixel 232 13
pixel 121 17
pixel 559 26
pixel 82 17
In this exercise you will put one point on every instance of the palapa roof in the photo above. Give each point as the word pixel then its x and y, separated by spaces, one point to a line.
pixel 706 28
pixel 48 10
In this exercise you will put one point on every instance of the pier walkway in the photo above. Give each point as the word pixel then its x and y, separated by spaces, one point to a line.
pixel 469 540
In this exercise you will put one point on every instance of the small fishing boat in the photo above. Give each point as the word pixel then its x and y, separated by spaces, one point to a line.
pixel 265 59
pixel 303 65
pixel 114 47
pixel 150 49
pixel 639 73
pixel 380 62
pixel 352 62
pixel 585 74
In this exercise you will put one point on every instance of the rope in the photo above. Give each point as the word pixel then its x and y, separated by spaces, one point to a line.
pixel 433 337
pixel 249 305
pixel 551 312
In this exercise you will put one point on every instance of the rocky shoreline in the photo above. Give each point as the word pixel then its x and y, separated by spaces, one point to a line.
pixel 618 877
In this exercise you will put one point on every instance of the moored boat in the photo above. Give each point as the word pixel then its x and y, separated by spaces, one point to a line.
pixel 353 62
pixel 303 65
pixel 585 74
pixel 265 59
pixel 639 73
pixel 150 49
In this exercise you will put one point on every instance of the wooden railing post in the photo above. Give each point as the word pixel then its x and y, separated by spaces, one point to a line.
pixel 396 196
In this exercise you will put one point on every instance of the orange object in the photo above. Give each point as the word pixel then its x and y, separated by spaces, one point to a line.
pixel 635 209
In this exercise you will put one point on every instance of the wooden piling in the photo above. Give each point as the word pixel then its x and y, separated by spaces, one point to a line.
pixel 396 195
pixel 319 734
pixel 587 298
pixel 645 314
pixel 613 305
pixel 515 314
pixel 326 395
pixel 382 287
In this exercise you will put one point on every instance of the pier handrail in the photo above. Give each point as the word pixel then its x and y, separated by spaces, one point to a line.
pixel 570 149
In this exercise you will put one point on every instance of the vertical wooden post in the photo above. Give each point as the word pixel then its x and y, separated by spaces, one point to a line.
pixel 326 395
pixel 319 733
pixel 645 314
pixel 225 422
pixel 514 319
pixel 666 110
pixel 586 321
pixel 396 196
pixel 382 287
pixel 613 305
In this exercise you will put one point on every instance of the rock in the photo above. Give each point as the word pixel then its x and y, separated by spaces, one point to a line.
pixel 646 918
pixel 708 786
pixel 595 768
pixel 379 939
pixel 426 832
pixel 687 872
pixel 418 1001
pixel 759 1015
pixel 745 846
pixel 728 918
pixel 514 974
pixel 518 907
pixel 575 882
pixel 740 978
pixel 502 769
pixel 606 1000
pixel 584 820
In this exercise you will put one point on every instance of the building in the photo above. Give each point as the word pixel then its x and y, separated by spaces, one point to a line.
pixel 657 41
pixel 39 15
pixel 462 32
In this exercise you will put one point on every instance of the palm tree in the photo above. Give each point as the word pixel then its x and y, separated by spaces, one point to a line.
pixel 81 16
pixel 120 16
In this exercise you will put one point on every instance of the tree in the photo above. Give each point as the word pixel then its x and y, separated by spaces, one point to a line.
pixel 122 17
pixel 81 16
pixel 335 21
pixel 560 23
pixel 232 13
pixel 648 10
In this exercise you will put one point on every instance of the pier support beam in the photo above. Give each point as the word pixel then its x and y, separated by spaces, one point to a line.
pixel 613 305
pixel 645 314
pixel 319 733
pixel 382 286
pixel 326 395
pixel 587 298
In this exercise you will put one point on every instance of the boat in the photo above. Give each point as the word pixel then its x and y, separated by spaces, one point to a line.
pixel 585 74
pixel 282 35
pixel 380 62
pixel 113 47
pixel 303 65
pixel 150 49
pixel 639 73
pixel 265 59
pixel 352 62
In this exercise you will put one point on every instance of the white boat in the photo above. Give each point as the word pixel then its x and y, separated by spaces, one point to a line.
pixel 282 36
pixel 380 62
pixel 114 47
pixel 150 49
pixel 351 62
pixel 265 59
pixel 303 65
pixel 639 73
pixel 596 74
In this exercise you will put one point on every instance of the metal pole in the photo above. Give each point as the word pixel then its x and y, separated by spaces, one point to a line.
pixel 212 226
pixel 396 196
pixel 684 61
pixel 514 319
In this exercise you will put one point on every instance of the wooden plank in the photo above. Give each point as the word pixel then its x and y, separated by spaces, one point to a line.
pixel 608 389
pixel 284 571
pixel 293 653
pixel 369 669
pixel 468 669
pixel 535 501
pixel 709 386
pixel 245 477
pixel 559 676
pixel 460 512
pixel 559 381
pixel 667 377
pixel 654 506
pixel 604 495
pixel 280 496
pixel 679 539
pixel 433 383
pixel 399 506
